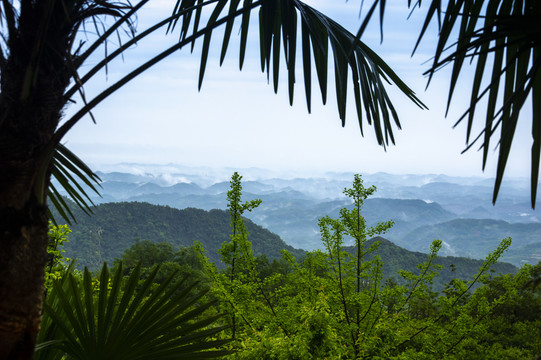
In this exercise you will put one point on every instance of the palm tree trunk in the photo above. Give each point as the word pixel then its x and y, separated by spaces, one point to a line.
pixel 23 256
pixel 33 79
pixel 24 179
pixel 23 238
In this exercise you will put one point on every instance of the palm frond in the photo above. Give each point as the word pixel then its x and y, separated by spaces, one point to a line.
pixel 71 173
pixel 9 15
pixel 127 320
pixel 278 27
pixel 503 38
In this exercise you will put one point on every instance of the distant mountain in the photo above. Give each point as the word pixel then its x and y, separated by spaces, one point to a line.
pixel 292 204
pixel 407 214
pixel 185 188
pixel 530 253
pixel 296 219
pixel 466 200
pixel 115 226
pixel 477 237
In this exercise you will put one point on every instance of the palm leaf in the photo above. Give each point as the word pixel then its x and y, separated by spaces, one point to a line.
pixel 71 173
pixel 502 37
pixel 130 321
pixel 278 24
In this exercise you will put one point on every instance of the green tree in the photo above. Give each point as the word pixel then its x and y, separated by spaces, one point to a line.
pixel 42 69
pixel 239 248
pixel 147 255
pixel 57 264
pixel 355 225
pixel 333 305
pixel 365 272
pixel 237 254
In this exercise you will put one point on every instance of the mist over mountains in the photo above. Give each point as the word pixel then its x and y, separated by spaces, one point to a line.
pixel 456 210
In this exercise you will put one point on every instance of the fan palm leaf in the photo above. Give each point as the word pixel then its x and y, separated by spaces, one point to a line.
pixel 127 320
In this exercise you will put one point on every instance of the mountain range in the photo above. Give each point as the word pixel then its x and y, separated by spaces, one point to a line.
pixel 114 227
pixel 456 210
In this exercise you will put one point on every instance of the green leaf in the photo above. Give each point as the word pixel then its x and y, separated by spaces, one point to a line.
pixel 70 171
pixel 500 36
pixel 228 28
pixel 147 323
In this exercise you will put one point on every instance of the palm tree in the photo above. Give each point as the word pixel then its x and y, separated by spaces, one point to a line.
pixel 41 72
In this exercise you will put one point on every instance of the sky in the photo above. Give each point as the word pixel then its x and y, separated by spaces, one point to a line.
pixel 237 121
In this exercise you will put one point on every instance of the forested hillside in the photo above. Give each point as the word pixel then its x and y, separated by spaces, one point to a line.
pixel 421 206
pixel 113 227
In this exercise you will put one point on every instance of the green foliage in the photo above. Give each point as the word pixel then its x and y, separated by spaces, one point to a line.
pixel 238 248
pixel 147 255
pixel 333 305
pixel 114 227
pixel 237 253
pixel 57 264
pixel 396 258
pixel 336 303
pixel 358 297
pixel 126 319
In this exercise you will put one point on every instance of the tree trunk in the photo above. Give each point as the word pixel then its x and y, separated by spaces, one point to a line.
pixel 34 76
pixel 23 228
pixel 22 262
pixel 24 179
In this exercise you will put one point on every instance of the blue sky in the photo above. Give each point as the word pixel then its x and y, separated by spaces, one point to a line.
pixel 237 121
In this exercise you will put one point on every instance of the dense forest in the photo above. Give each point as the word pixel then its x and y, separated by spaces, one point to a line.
pixel 113 227
pixel 370 300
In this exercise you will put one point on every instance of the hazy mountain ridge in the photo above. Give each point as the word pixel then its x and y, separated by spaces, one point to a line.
pixel 114 227
pixel 482 235
pixel 292 204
